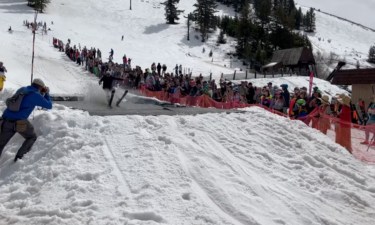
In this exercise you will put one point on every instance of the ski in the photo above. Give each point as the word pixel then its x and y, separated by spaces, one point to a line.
pixel 122 97
pixel 111 99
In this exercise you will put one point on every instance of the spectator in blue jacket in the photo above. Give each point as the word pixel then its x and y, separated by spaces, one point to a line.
pixel 16 122
pixel 111 54
pixel 286 96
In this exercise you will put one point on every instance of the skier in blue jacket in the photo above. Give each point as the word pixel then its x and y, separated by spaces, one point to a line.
pixel 111 54
pixel 16 122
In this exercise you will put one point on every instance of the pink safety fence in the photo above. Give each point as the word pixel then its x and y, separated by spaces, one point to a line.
pixel 349 135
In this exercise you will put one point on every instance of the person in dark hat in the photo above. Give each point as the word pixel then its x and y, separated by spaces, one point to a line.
pixel 19 108
pixel 271 89
pixel 250 93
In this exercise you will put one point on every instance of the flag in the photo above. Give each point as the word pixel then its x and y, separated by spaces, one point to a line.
pixel 311 82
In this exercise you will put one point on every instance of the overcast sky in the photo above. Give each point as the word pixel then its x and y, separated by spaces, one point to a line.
pixel 359 11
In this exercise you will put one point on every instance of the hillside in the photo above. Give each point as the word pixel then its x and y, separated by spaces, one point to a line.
pixel 339 39
pixel 147 39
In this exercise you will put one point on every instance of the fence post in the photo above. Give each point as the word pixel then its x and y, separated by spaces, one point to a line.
pixel 210 76
pixel 234 75
pixel 246 74
pixel 282 73
pixel 255 74
pixel 273 74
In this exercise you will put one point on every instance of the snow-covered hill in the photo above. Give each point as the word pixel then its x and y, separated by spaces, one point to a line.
pixel 90 23
pixel 252 168
pixel 345 40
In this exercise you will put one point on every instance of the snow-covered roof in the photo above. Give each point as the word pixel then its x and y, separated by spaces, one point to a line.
pixel 270 64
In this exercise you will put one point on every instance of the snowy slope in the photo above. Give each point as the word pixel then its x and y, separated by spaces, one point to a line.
pixel 349 41
pixel 252 168
pixel 147 39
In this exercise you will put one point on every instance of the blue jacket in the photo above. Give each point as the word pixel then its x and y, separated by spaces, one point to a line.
pixel 286 96
pixel 28 104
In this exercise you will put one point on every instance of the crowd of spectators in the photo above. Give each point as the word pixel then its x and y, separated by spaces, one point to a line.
pixel 156 78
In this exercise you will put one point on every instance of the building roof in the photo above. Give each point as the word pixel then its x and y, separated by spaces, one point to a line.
pixel 354 76
pixel 292 56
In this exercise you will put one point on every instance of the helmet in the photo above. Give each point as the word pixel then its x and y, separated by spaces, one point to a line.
pixel 301 102
pixel 236 89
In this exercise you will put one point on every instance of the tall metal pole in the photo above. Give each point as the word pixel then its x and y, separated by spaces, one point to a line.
pixel 130 4
pixel 32 60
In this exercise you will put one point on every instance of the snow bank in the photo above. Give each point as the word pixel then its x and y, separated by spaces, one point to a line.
pixel 251 168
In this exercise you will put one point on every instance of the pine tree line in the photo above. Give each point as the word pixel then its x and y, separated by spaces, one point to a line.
pixel 264 27
pixel 260 26
pixel 39 5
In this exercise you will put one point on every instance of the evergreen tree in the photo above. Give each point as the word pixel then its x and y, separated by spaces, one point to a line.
pixel 263 10
pixel 248 52
pixel 204 14
pixel 221 39
pixel 298 19
pixel 306 21
pixel 259 54
pixel 243 29
pixel 312 26
pixel 171 11
pixel 275 4
pixel 290 7
pixel 40 5
pixel 213 23
pixel 371 55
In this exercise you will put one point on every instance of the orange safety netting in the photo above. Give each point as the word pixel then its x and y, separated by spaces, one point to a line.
pixel 349 135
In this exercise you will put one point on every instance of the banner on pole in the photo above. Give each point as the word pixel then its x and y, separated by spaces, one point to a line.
pixel 311 82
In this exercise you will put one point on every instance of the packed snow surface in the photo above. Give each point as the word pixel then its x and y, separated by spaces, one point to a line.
pixel 251 168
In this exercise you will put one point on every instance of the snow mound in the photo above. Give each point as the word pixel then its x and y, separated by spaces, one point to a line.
pixel 250 168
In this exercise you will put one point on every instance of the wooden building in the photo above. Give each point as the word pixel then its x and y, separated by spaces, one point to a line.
pixel 297 60
pixel 362 81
